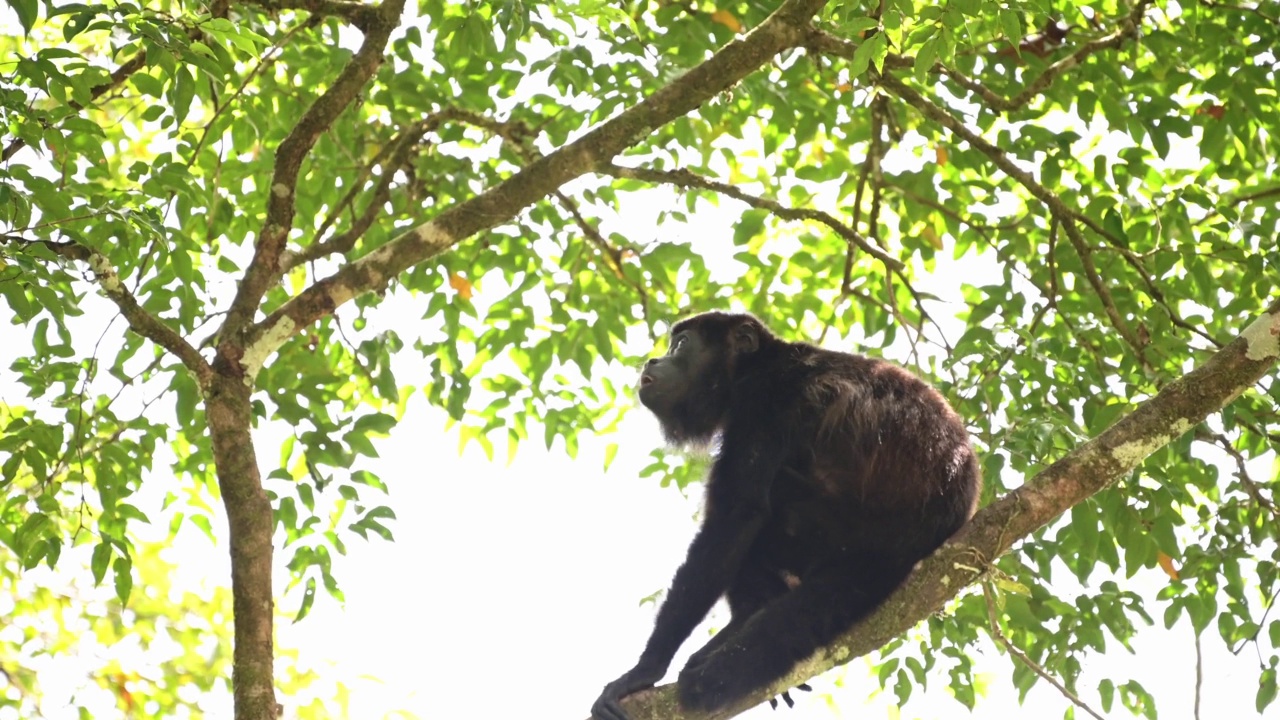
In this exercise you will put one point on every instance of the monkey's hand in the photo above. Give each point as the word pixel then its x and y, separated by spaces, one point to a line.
pixel 608 706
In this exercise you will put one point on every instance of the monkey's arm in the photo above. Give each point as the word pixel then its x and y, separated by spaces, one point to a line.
pixel 737 508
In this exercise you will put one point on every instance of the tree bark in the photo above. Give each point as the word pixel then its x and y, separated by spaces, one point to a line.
pixel 250 522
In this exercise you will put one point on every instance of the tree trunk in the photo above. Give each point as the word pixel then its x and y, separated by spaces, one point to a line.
pixel 249 519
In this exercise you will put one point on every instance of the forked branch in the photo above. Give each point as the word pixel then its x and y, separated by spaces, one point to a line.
pixel 783 30
pixel 264 269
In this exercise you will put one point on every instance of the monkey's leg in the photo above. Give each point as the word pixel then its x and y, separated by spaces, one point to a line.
pixel 784 632
pixel 755 586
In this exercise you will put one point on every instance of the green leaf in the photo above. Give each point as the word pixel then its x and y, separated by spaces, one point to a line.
pixel 926 57
pixel 101 558
pixel 28 11
pixel 867 52
pixel 1266 689
pixel 123 568
pixel 1011 26
pixel 148 85
pixel 308 599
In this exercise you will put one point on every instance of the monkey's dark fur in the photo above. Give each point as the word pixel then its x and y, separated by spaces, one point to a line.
pixel 836 473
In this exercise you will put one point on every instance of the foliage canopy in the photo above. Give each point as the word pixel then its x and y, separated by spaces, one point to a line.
pixel 249 184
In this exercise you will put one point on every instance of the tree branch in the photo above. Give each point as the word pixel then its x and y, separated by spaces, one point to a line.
pixel 686 179
pixel 829 44
pixel 122 73
pixel 614 257
pixel 1179 406
pixel 264 269
pixel 784 29
pixel 140 321
pixel 360 15
pixel 1128 29
pixel 1057 207
pixel 1021 657
pixel 1242 470
pixel 391 158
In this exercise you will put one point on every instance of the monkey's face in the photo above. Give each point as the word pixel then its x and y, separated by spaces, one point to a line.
pixel 668 381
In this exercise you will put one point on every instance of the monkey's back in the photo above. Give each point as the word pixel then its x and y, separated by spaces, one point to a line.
pixel 882 465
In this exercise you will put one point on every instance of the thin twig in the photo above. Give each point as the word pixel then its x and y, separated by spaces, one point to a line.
pixel 1199 673
pixel 265 60
pixel 1135 262
pixel 826 43
pixel 140 320
pixel 998 634
pixel 1262 622
pixel 685 178
pixel 614 256
pixel 1238 200
pixel 1242 470
pixel 846 277
pixel 1241 8
pixel 122 73
pixel 1055 203
pixel 389 159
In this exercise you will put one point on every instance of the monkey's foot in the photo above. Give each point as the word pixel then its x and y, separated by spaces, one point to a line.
pixel 727 676
pixel 786 696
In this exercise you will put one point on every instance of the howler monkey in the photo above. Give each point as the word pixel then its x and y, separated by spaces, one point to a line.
pixel 835 474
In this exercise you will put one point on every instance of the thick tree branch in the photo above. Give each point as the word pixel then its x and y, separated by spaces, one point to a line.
pixel 1178 407
pixel 250 521
pixel 264 269
pixel 360 15
pixel 784 29
pixel 144 323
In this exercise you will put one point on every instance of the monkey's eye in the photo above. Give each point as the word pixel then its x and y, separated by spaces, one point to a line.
pixel 675 345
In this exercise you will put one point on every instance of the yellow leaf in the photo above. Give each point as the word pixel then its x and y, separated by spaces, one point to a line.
pixel 1166 564
pixel 726 18
pixel 462 285
pixel 297 279
pixel 1008 584
pixel 940 153
pixel 932 236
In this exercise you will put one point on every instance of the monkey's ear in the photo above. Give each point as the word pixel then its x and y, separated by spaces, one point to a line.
pixel 746 338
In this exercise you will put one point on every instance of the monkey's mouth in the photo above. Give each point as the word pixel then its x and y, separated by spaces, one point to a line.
pixel 645 379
